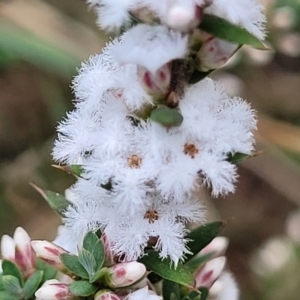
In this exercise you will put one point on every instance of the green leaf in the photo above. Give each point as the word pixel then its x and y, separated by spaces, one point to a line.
pixel 164 269
pixel 11 284
pixel 88 261
pixel 94 245
pixel 75 170
pixel 82 288
pixel 170 290
pixel 154 278
pixel 198 76
pixel 166 116
pixel 72 264
pixel 56 201
pixel 48 271
pixel 238 157
pixel 5 295
pixel 204 293
pixel 89 241
pixel 98 274
pixel 201 237
pixel 10 268
pixel 1 283
pixel 225 30
pixel 32 284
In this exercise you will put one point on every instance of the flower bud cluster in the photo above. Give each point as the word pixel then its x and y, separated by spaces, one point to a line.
pixel 19 250
pixel 146 138
pixel 213 274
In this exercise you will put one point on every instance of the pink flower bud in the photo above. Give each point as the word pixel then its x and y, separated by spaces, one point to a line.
pixel 124 274
pixel 207 275
pixel 106 295
pixel 8 247
pixel 24 254
pixel 157 84
pixel 50 253
pixel 183 17
pixel 214 53
pixel 53 290
pixel 109 257
pixel 217 246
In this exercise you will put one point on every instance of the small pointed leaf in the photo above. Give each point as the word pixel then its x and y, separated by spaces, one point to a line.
pixel 240 157
pixel 72 264
pixel 204 293
pixel 48 271
pixel 11 284
pixel 166 116
pixel 225 30
pixel 170 290
pixel 5 295
pixel 56 201
pixel 201 237
pixel 32 284
pixel 75 170
pixel 88 261
pixel 164 269
pixel 10 268
pixel 82 288
pixel 1 283
pixel 94 245
pixel 198 76
pixel 90 241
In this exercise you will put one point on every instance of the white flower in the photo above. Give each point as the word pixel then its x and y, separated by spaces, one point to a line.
pixel 144 294
pixel 248 14
pixel 149 46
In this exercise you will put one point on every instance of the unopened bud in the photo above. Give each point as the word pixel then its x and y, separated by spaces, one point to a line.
pixel 214 53
pixel 106 295
pixel 54 290
pixel 184 17
pixel 207 275
pixel 50 253
pixel 24 254
pixel 157 84
pixel 124 274
pixel 8 247
pixel 109 257
pixel 217 247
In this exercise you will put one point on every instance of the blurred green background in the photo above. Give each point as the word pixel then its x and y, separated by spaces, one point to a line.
pixel 41 45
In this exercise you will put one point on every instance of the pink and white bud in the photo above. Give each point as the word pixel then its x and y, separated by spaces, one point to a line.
pixel 24 254
pixel 54 290
pixel 8 247
pixel 156 84
pixel 183 17
pixel 106 295
pixel 144 294
pixel 214 53
pixel 210 272
pixel 217 247
pixel 109 257
pixel 50 253
pixel 124 274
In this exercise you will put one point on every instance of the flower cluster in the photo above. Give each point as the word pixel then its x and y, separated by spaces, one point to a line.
pixel 146 137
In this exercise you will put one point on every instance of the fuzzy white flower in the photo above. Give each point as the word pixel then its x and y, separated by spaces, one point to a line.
pixel 149 46
pixel 248 14
pixel 144 294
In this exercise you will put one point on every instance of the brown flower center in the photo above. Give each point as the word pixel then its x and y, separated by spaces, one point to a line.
pixel 134 161
pixel 151 215
pixel 190 149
